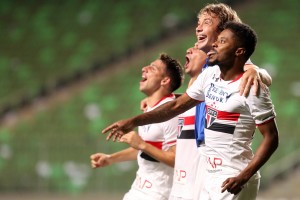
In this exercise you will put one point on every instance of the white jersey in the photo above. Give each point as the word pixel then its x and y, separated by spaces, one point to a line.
pixel 231 120
pixel 186 156
pixel 154 179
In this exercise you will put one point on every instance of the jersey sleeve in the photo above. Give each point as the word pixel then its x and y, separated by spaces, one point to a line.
pixel 196 90
pixel 261 107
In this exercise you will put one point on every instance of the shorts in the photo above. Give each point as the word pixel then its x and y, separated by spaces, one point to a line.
pixel 138 195
pixel 177 198
pixel 212 189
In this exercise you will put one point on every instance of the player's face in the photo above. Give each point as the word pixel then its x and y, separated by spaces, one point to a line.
pixel 152 75
pixel 194 61
pixel 207 31
pixel 223 50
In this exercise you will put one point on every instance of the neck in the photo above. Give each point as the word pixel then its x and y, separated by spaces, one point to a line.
pixel 230 71
pixel 154 98
pixel 192 80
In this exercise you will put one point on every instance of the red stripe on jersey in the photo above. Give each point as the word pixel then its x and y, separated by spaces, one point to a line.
pixel 237 78
pixel 189 120
pixel 171 142
pixel 228 116
pixel 156 144
pixel 223 115
pixel 170 95
pixel 266 122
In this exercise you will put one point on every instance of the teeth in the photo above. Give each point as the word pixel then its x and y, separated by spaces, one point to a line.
pixel 144 78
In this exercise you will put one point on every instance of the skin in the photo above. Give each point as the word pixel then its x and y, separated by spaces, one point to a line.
pixel 230 66
pixel 136 142
pixel 207 33
pixel 156 85
pixel 231 60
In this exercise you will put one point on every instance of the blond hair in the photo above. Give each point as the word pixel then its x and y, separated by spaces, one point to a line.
pixel 224 12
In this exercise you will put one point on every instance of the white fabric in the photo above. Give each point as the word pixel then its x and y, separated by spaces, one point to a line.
pixel 154 179
pixel 186 157
pixel 231 120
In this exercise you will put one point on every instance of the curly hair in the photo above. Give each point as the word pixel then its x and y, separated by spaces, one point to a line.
pixel 245 36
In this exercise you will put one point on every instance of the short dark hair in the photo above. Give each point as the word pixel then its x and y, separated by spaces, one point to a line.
pixel 174 70
pixel 245 36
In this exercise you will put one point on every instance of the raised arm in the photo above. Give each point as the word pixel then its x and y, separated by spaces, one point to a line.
pixel 160 114
pixel 135 141
pixel 265 77
pixel 256 77
pixel 265 150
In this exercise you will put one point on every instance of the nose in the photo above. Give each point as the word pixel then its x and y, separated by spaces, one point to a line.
pixel 189 51
pixel 214 44
pixel 144 69
pixel 199 28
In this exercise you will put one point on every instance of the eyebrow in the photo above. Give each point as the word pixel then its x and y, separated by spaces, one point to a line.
pixel 153 65
pixel 222 37
pixel 206 19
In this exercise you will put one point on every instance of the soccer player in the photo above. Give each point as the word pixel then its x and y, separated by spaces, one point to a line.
pixel 231 119
pixel 155 144
pixel 187 155
pixel 211 20
pixel 188 162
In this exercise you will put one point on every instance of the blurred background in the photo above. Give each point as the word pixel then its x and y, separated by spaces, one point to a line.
pixel 69 68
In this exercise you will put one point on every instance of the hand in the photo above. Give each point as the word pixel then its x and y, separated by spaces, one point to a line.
pixel 233 185
pixel 100 160
pixel 134 140
pixel 251 77
pixel 143 105
pixel 118 129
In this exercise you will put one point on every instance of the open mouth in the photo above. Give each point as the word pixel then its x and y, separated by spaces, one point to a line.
pixel 143 79
pixel 201 38
pixel 187 61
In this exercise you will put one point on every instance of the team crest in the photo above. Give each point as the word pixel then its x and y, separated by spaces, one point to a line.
pixel 211 116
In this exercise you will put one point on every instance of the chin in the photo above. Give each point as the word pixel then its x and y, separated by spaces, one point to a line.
pixel 201 46
pixel 212 62
pixel 204 46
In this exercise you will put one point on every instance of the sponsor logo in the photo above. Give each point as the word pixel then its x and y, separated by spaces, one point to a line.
pixel 214 164
pixel 180 176
pixel 142 183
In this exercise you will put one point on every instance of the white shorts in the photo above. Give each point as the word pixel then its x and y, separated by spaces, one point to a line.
pixel 212 189
pixel 139 195
pixel 177 198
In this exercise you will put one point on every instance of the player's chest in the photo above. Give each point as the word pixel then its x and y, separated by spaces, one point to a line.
pixel 225 97
pixel 151 132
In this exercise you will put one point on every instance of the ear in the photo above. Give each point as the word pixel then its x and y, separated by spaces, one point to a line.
pixel 240 52
pixel 165 81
